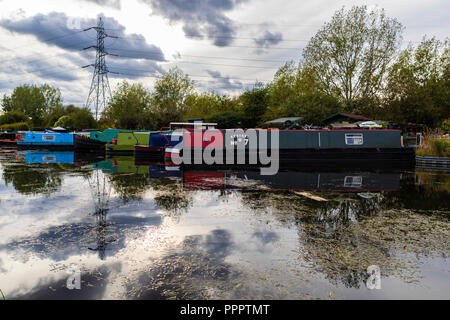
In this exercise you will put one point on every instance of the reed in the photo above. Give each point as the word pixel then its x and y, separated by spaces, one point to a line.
pixel 434 147
pixel 3 296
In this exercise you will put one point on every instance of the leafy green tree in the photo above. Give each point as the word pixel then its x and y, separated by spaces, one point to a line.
pixel 168 100
pixel 35 102
pixel 129 107
pixel 255 103
pixel 83 119
pixel 418 85
pixel 350 54
pixel 295 91
pixel 227 119
pixel 283 92
pixel 203 105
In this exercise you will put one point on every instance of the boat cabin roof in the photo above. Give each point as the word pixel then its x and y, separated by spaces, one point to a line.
pixel 192 125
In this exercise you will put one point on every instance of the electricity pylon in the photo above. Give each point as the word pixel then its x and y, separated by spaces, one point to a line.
pixel 100 90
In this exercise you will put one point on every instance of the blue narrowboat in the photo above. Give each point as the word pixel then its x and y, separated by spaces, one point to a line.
pixel 53 140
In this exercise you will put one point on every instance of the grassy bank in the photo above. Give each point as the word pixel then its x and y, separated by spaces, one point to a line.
pixel 434 147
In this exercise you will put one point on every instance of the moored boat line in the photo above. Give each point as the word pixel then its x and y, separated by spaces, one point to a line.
pixel 293 147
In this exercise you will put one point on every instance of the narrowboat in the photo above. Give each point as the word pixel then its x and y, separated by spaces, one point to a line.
pixel 8 139
pixel 53 140
pixel 163 139
pixel 107 135
pixel 300 147
pixel 125 142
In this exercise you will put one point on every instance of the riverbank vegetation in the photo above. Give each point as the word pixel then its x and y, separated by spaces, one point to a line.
pixel 355 63
pixel 434 147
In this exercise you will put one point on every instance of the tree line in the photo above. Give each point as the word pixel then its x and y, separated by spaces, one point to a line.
pixel 353 64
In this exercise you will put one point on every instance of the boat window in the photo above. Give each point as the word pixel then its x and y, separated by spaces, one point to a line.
pixel 353 181
pixel 354 139
pixel 49 158
pixel 48 138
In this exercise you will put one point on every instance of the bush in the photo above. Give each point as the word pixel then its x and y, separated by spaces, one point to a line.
pixel 65 122
pixel 434 148
pixel 446 125
pixel 18 126
pixel 79 119
pixel 13 117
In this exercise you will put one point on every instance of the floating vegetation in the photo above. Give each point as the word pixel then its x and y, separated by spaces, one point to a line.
pixel 341 238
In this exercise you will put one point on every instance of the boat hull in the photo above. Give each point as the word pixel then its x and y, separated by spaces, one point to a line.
pixel 402 158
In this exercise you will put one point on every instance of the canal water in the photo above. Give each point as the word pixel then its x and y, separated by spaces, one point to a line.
pixel 130 230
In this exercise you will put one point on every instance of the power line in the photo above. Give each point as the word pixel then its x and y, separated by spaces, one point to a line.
pixel 189 75
pixel 227 46
pixel 194 56
pixel 47 40
pixel 48 57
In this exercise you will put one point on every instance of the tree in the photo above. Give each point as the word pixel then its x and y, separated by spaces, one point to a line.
pixel 283 92
pixel 129 107
pixel 168 100
pixel 227 119
pixel 418 85
pixel 202 105
pixel 295 91
pixel 83 119
pixel 255 103
pixel 35 102
pixel 350 54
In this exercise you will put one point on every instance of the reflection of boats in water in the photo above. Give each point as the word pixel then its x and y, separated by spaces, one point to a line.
pixel 125 164
pixel 352 181
pixel 319 179
pixel 61 157
pixel 311 179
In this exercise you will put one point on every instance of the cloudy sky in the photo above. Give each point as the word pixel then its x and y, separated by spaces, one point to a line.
pixel 224 45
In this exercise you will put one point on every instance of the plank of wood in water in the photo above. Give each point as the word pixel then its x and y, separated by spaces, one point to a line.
pixel 310 196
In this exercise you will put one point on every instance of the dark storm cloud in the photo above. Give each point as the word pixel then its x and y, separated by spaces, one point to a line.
pixel 223 82
pixel 269 39
pixel 108 3
pixel 66 33
pixel 200 18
